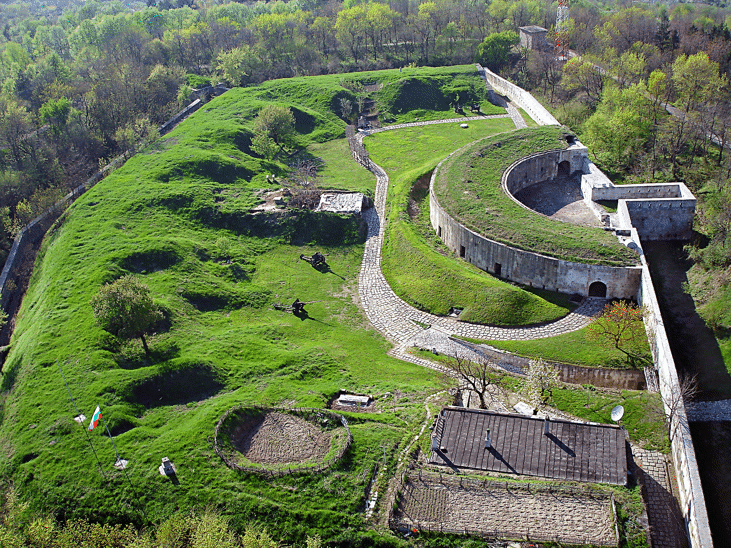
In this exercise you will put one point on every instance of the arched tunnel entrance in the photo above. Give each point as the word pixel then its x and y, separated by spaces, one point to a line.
pixel 598 289
pixel 564 169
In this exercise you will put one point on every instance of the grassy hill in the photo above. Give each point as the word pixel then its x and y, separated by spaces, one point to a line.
pixel 178 216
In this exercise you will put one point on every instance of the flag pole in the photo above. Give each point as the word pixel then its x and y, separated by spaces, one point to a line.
pixel 78 414
pixel 111 438
pixel 119 459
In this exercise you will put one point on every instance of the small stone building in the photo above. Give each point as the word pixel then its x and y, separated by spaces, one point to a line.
pixel 533 37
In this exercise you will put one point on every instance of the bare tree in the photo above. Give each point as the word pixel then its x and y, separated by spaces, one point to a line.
pixel 479 376
pixel 305 172
pixel 674 398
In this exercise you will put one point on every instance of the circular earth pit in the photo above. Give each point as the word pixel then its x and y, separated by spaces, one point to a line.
pixel 277 441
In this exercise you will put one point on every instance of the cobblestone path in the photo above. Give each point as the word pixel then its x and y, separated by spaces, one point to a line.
pixel 399 321
pixel 667 529
pixel 709 411
pixel 506 510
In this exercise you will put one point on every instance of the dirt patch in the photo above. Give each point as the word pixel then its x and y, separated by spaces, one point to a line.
pixel 495 509
pixel 278 441
pixel 280 438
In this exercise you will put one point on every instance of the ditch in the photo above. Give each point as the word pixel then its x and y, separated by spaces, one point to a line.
pixel 696 352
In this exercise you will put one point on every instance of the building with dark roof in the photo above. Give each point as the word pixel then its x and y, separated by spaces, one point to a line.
pixel 528 445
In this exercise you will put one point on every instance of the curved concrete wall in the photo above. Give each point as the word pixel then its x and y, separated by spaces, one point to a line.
pixel 525 267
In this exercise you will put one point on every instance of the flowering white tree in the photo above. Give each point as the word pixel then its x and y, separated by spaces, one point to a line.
pixel 540 380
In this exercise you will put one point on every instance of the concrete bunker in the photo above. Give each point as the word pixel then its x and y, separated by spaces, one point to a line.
pixel 523 266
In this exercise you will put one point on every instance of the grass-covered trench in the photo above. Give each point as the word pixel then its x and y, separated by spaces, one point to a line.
pixel 177 215
pixel 418 267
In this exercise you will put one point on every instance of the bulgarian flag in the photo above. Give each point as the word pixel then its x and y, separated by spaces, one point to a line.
pixel 95 418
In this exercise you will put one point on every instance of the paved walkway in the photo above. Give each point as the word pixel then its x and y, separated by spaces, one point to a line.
pixel 402 323
pixel 667 529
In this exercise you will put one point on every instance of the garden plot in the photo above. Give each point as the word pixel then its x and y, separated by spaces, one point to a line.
pixel 505 510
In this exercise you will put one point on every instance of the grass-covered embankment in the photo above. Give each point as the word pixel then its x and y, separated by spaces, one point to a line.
pixel 416 264
pixel 573 348
pixel 178 216
pixel 468 187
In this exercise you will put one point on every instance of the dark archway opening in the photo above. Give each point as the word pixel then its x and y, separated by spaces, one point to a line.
pixel 564 169
pixel 598 289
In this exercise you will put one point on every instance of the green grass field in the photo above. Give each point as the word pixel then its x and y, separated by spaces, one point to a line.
pixel 468 186
pixel 177 215
pixel 417 266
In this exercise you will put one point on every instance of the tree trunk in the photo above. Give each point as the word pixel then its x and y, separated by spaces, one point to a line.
pixel 144 345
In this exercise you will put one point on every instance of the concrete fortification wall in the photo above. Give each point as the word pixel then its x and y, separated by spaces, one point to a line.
pixel 691 500
pixel 657 211
pixel 526 267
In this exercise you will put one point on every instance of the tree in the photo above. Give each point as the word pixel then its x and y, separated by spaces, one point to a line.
pixel 620 325
pixel 231 66
pixel 304 172
pixel 494 50
pixel 273 127
pixel 125 309
pixel 55 113
pixel 540 380
pixel 478 375
pixel 346 108
pixel 582 75
pixel 619 129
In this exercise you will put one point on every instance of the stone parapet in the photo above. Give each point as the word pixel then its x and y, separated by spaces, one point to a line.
pixel 520 97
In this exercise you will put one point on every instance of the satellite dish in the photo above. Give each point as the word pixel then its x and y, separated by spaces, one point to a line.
pixel 617 413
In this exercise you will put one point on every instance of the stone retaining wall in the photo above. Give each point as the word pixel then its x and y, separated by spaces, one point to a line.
pixel 520 97
pixel 180 116
pixel 525 267
pixel 622 379
pixel 692 502
pixel 541 166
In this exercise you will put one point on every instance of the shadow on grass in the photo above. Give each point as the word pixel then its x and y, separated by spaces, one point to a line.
pixel 324 268
pixel 133 356
pixel 176 384
pixel 303 315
